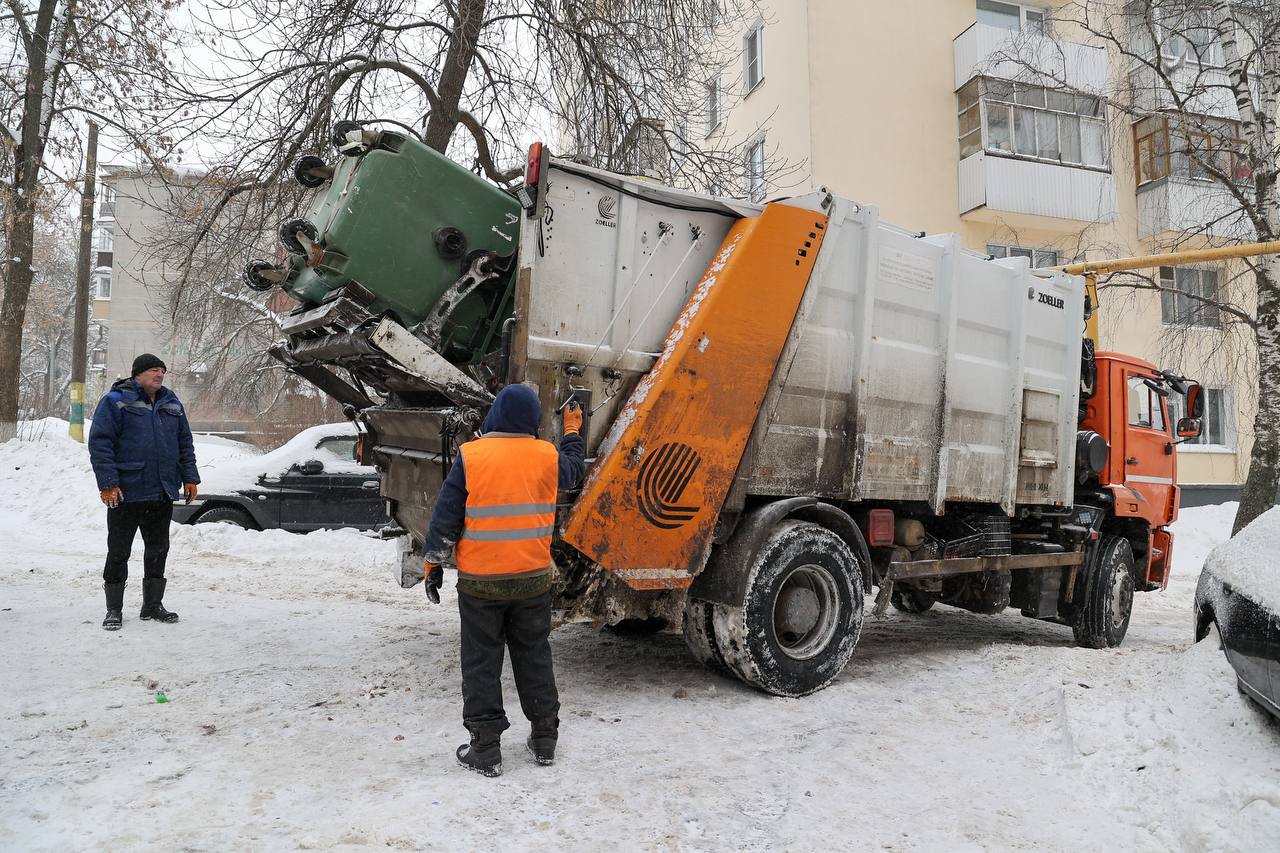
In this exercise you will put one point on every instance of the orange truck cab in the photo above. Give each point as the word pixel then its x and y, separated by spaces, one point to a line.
pixel 1129 409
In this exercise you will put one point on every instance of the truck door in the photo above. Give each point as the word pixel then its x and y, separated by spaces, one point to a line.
pixel 1148 461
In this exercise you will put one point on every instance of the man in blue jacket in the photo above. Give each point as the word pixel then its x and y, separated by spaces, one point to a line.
pixel 143 457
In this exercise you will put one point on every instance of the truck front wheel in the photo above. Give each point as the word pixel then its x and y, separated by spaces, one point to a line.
pixel 801 614
pixel 1103 617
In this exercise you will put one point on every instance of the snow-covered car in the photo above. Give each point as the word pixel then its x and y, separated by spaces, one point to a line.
pixel 1239 593
pixel 312 482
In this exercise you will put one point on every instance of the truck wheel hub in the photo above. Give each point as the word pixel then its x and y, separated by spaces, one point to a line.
pixel 805 611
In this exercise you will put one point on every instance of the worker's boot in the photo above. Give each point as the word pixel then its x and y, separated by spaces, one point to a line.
pixel 483 754
pixel 542 740
pixel 152 593
pixel 115 604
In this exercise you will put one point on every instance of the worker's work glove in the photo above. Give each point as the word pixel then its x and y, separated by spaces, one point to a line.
pixel 190 490
pixel 572 417
pixel 112 497
pixel 432 579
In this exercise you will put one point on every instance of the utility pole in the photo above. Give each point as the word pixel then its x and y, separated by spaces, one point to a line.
pixel 80 341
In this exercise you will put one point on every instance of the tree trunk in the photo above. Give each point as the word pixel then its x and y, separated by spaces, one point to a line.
pixel 20 244
pixel 1263 482
pixel 453 76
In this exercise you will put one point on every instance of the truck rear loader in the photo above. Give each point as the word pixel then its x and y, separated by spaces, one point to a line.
pixel 789 405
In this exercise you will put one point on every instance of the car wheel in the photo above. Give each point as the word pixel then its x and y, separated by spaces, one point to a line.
pixel 801 615
pixel 227 515
pixel 1103 618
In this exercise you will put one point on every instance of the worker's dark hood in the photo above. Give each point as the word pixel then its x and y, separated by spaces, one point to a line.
pixel 516 409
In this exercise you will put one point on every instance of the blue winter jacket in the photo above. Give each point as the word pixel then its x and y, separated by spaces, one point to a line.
pixel 516 410
pixel 144 448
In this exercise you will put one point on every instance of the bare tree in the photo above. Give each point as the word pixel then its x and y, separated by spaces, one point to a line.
pixel 62 60
pixel 1199 103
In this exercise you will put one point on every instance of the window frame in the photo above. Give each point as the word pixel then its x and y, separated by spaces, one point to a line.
pixel 98 275
pixel 1025 108
pixel 1036 254
pixel 107 201
pixel 1154 402
pixel 1177 162
pixel 756 184
pixel 1225 395
pixel 104 238
pixel 1184 306
pixel 1023 10
pixel 756 31
pixel 712 104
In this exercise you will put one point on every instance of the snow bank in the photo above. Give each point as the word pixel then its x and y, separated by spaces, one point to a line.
pixel 1198 531
pixel 1251 561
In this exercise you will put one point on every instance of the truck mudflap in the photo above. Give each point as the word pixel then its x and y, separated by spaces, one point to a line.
pixel 649 505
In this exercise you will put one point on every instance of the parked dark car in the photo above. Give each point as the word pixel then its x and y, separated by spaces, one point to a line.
pixel 313 482
pixel 1250 636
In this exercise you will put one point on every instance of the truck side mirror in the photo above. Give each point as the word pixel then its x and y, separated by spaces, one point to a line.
pixel 312 466
pixel 1189 427
pixel 1195 402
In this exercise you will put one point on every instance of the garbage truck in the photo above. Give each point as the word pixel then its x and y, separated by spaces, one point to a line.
pixel 790 406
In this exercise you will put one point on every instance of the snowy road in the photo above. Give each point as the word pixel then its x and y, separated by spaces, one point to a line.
pixel 315 705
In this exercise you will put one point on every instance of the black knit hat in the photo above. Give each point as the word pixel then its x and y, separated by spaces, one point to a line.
pixel 145 362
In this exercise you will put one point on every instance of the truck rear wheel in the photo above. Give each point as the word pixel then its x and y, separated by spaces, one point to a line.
pixel 699 634
pixel 1103 618
pixel 801 614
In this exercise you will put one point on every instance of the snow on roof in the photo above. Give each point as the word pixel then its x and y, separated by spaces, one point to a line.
pixel 242 472
pixel 1250 562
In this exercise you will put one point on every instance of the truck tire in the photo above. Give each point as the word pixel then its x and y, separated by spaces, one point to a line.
pixel 1103 617
pixel 912 600
pixel 227 515
pixel 699 634
pixel 801 615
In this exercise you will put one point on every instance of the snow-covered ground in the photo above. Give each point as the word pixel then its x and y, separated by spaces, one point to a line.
pixel 314 704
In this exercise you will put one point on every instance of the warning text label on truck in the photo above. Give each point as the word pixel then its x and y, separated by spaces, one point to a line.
pixel 906 270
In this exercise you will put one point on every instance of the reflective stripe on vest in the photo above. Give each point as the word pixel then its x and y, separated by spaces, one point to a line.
pixel 511 507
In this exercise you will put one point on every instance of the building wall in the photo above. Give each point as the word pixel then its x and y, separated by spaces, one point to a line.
pixel 864 94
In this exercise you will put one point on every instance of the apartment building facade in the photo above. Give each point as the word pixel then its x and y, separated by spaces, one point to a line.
pixel 934 111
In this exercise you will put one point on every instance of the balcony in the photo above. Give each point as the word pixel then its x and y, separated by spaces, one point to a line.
pixel 1010 185
pixel 984 50
pixel 1189 206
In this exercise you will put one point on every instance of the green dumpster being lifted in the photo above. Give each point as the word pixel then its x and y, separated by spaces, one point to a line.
pixel 401 233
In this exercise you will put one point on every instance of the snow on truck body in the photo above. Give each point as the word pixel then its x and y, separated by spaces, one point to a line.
pixel 788 405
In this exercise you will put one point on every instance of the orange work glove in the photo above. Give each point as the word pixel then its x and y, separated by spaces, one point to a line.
pixel 572 418
pixel 190 490
pixel 112 497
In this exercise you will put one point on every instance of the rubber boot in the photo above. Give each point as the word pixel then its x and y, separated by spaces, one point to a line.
pixel 483 754
pixel 542 740
pixel 115 604
pixel 152 593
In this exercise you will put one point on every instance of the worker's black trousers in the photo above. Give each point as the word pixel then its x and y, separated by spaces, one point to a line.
pixel 152 518
pixel 523 627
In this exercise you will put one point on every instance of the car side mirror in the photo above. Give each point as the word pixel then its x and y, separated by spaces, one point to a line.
pixel 1189 427
pixel 1195 402
pixel 312 466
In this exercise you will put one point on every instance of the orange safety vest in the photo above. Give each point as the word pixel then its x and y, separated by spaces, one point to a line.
pixel 511 507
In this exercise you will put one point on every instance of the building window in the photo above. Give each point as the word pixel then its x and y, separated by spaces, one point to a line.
pixel 1011 16
pixel 1179 305
pixel 755 171
pixel 1162 148
pixel 104 238
pixel 98 336
pixel 1039 258
pixel 102 283
pixel 713 105
pixel 1215 426
pixel 753 56
pixel 1144 405
pixel 679 144
pixel 1031 122
pixel 106 200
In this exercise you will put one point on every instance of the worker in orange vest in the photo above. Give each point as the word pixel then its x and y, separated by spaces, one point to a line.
pixel 497 510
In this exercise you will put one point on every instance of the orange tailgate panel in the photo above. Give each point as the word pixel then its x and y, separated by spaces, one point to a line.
pixel 649 505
